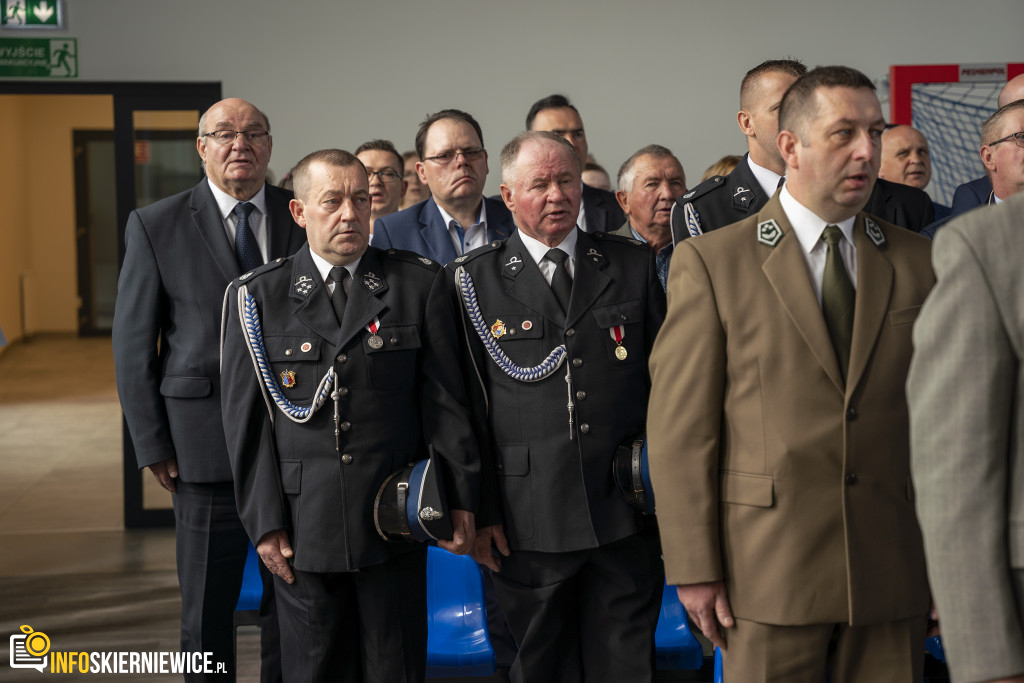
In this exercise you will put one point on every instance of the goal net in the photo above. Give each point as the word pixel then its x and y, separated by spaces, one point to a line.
pixel 948 103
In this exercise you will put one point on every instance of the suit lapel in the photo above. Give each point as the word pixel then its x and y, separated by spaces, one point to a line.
pixel 363 298
pixel 528 286
pixel 314 310
pixel 499 221
pixel 786 271
pixel 435 234
pixel 210 225
pixel 874 288
pixel 589 281
pixel 279 222
pixel 593 208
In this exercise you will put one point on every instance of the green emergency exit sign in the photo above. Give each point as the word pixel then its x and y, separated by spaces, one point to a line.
pixel 35 14
pixel 38 57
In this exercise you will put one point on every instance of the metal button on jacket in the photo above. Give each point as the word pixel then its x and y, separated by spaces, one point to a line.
pixel 346 459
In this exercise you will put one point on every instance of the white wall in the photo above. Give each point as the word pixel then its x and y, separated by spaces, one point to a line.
pixel 333 73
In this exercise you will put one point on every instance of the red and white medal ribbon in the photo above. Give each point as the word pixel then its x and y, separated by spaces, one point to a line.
pixel 374 340
pixel 618 333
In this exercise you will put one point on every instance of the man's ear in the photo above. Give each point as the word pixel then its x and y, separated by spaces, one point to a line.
pixel 623 200
pixel 298 212
pixel 506 196
pixel 788 144
pixel 743 119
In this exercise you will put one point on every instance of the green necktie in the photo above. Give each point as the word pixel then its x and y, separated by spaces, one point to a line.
pixel 837 298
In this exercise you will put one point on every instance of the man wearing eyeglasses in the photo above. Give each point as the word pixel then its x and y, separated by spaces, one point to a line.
pixel 1002 153
pixel 457 218
pixel 385 167
pixel 599 210
pixel 180 254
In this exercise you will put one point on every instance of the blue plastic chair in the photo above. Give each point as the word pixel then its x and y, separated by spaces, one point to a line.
pixel 675 646
pixel 457 638
pixel 252 586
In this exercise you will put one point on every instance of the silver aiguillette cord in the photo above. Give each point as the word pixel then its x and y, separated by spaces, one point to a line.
pixel 571 406
pixel 337 415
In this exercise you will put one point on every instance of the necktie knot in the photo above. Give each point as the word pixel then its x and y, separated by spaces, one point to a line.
pixel 556 256
pixel 832 234
pixel 338 275
pixel 243 209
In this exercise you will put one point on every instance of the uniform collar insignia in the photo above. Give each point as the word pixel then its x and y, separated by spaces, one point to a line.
pixel 874 232
pixel 595 256
pixel 303 285
pixel 372 282
pixel 769 233
pixel 513 266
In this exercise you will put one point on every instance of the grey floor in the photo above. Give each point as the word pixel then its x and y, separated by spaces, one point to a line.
pixel 68 568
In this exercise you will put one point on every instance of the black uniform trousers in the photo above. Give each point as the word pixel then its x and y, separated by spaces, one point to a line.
pixel 211 546
pixel 586 615
pixel 366 626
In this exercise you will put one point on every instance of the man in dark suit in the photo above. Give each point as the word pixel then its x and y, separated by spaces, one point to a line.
pixel 649 182
pixel 332 391
pixel 599 212
pixel 979 191
pixel 1002 153
pixel 723 200
pixel 778 424
pixel 457 218
pixel 557 316
pixel 180 253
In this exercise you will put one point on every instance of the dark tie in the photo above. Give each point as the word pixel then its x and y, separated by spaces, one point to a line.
pixel 339 298
pixel 247 251
pixel 561 283
pixel 837 298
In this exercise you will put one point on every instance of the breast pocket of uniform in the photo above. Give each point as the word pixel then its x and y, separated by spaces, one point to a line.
pixel 392 364
pixel 295 365
pixel 623 330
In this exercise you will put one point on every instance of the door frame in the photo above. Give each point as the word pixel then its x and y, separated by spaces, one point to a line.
pixel 129 96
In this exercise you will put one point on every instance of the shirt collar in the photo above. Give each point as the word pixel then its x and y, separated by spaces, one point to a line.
pixel 768 180
pixel 324 267
pixel 482 220
pixel 226 203
pixel 538 249
pixel 807 225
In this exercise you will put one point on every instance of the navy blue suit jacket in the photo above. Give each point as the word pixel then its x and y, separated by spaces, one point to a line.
pixel 972 194
pixel 177 263
pixel 421 229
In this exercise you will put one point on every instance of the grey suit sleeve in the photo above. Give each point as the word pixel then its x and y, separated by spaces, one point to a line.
pixel 961 392
pixel 138 316
pixel 380 237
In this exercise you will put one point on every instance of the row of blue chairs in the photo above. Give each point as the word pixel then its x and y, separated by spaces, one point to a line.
pixel 457 640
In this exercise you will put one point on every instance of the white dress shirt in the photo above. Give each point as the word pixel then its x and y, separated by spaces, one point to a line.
pixel 808 228
pixel 257 219
pixel 538 250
